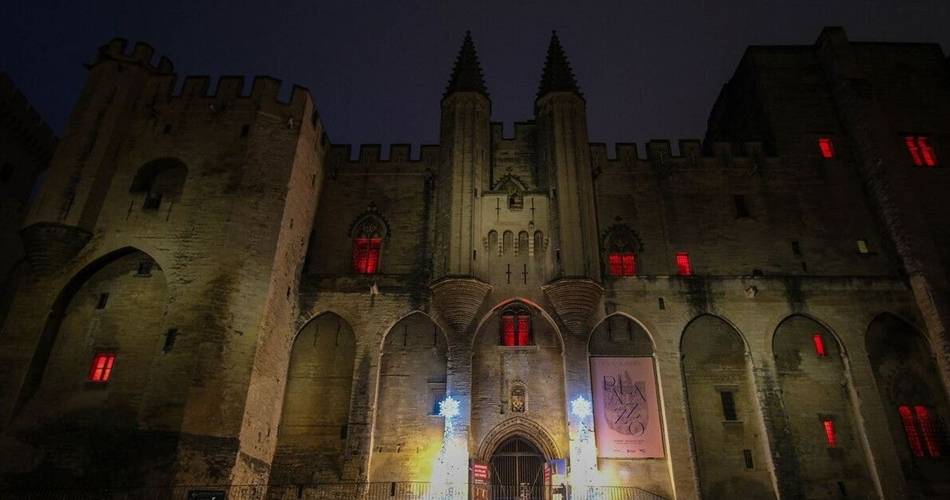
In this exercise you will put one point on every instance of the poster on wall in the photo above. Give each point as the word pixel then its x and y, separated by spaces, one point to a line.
pixel 626 408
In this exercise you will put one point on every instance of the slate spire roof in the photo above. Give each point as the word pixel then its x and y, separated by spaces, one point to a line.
pixel 557 75
pixel 467 72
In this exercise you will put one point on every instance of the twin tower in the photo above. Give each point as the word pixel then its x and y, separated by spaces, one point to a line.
pixel 538 189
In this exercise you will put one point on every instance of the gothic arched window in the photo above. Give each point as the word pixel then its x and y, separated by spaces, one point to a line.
pixel 621 245
pixel 516 326
pixel 368 234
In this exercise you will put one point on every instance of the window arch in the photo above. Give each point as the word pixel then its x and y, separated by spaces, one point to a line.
pixel 516 326
pixel 368 234
pixel 160 180
pixel 621 246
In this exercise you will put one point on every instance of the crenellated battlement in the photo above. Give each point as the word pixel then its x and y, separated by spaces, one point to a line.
pixel 690 150
pixel 165 93
pixel 522 131
pixel 372 154
pixel 142 54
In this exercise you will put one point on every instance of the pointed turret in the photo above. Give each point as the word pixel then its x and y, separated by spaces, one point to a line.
pixel 467 72
pixel 557 75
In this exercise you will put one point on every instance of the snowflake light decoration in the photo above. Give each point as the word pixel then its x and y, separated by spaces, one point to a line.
pixel 581 407
pixel 449 407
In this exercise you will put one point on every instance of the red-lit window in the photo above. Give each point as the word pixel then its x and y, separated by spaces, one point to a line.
pixel 101 369
pixel 622 263
pixel 516 328
pixel 826 147
pixel 830 436
pixel 921 152
pixel 917 423
pixel 366 255
pixel 819 342
pixel 683 267
pixel 910 430
pixel 929 432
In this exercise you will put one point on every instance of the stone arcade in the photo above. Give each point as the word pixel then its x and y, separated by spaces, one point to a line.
pixel 215 296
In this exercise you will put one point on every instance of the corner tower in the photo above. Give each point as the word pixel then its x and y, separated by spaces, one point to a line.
pixel 564 151
pixel 463 164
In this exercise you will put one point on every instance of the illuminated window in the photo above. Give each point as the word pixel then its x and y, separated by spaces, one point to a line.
pixel 927 426
pixel 826 147
pixel 368 234
pixel 622 263
pixel 101 369
pixel 921 152
pixel 819 342
pixel 728 401
pixel 366 255
pixel 830 436
pixel 863 246
pixel 515 327
pixel 910 431
pixel 683 266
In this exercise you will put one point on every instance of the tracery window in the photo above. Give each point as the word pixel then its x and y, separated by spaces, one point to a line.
pixel 516 326
pixel 621 245
pixel 368 235
pixel 923 436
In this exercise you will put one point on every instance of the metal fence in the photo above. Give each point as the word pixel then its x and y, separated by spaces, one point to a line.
pixel 330 491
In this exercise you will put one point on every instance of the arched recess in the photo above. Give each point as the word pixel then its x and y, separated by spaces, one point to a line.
pixel 114 307
pixel 314 421
pixel 727 432
pixel 408 429
pixel 620 336
pixel 815 391
pixel 912 393
pixel 537 368
pixel 161 181
pixel 518 427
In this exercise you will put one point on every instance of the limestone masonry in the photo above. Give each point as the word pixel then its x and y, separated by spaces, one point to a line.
pixel 214 296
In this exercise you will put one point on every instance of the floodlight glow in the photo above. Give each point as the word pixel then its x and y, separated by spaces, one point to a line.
pixel 449 407
pixel 581 407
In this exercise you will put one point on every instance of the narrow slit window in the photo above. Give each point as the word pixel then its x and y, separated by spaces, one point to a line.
pixel 819 342
pixel 144 269
pixel 683 265
pixel 101 369
pixel 831 437
pixel 103 300
pixel 622 263
pixel 742 208
pixel 747 456
pixel 728 406
pixel 920 150
pixel 826 147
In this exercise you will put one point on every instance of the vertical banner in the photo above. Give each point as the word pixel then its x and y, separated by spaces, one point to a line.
pixel 626 408
pixel 479 480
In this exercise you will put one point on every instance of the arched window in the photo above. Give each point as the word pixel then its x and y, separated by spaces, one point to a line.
pixel 160 180
pixel 368 235
pixel 621 246
pixel 516 326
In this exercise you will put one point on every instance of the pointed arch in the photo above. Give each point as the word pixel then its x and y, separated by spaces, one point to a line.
pixel 119 258
pixel 162 179
pixel 640 340
pixel 314 417
pixel 411 381
pixel 914 399
pixel 524 428
pixel 815 384
pixel 723 409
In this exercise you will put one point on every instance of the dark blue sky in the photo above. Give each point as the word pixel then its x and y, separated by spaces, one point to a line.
pixel 649 69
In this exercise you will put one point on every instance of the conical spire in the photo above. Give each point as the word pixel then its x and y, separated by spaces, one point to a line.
pixel 467 72
pixel 557 74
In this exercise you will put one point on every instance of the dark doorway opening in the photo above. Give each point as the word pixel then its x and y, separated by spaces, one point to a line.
pixel 517 471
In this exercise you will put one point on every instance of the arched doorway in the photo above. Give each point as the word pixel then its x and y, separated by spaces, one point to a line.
pixel 517 470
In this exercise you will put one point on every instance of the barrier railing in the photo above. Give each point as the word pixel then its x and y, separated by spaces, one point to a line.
pixel 323 491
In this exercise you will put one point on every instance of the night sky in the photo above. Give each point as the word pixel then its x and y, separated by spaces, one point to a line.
pixel 649 69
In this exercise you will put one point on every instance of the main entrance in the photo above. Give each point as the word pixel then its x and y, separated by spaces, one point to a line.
pixel 517 471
